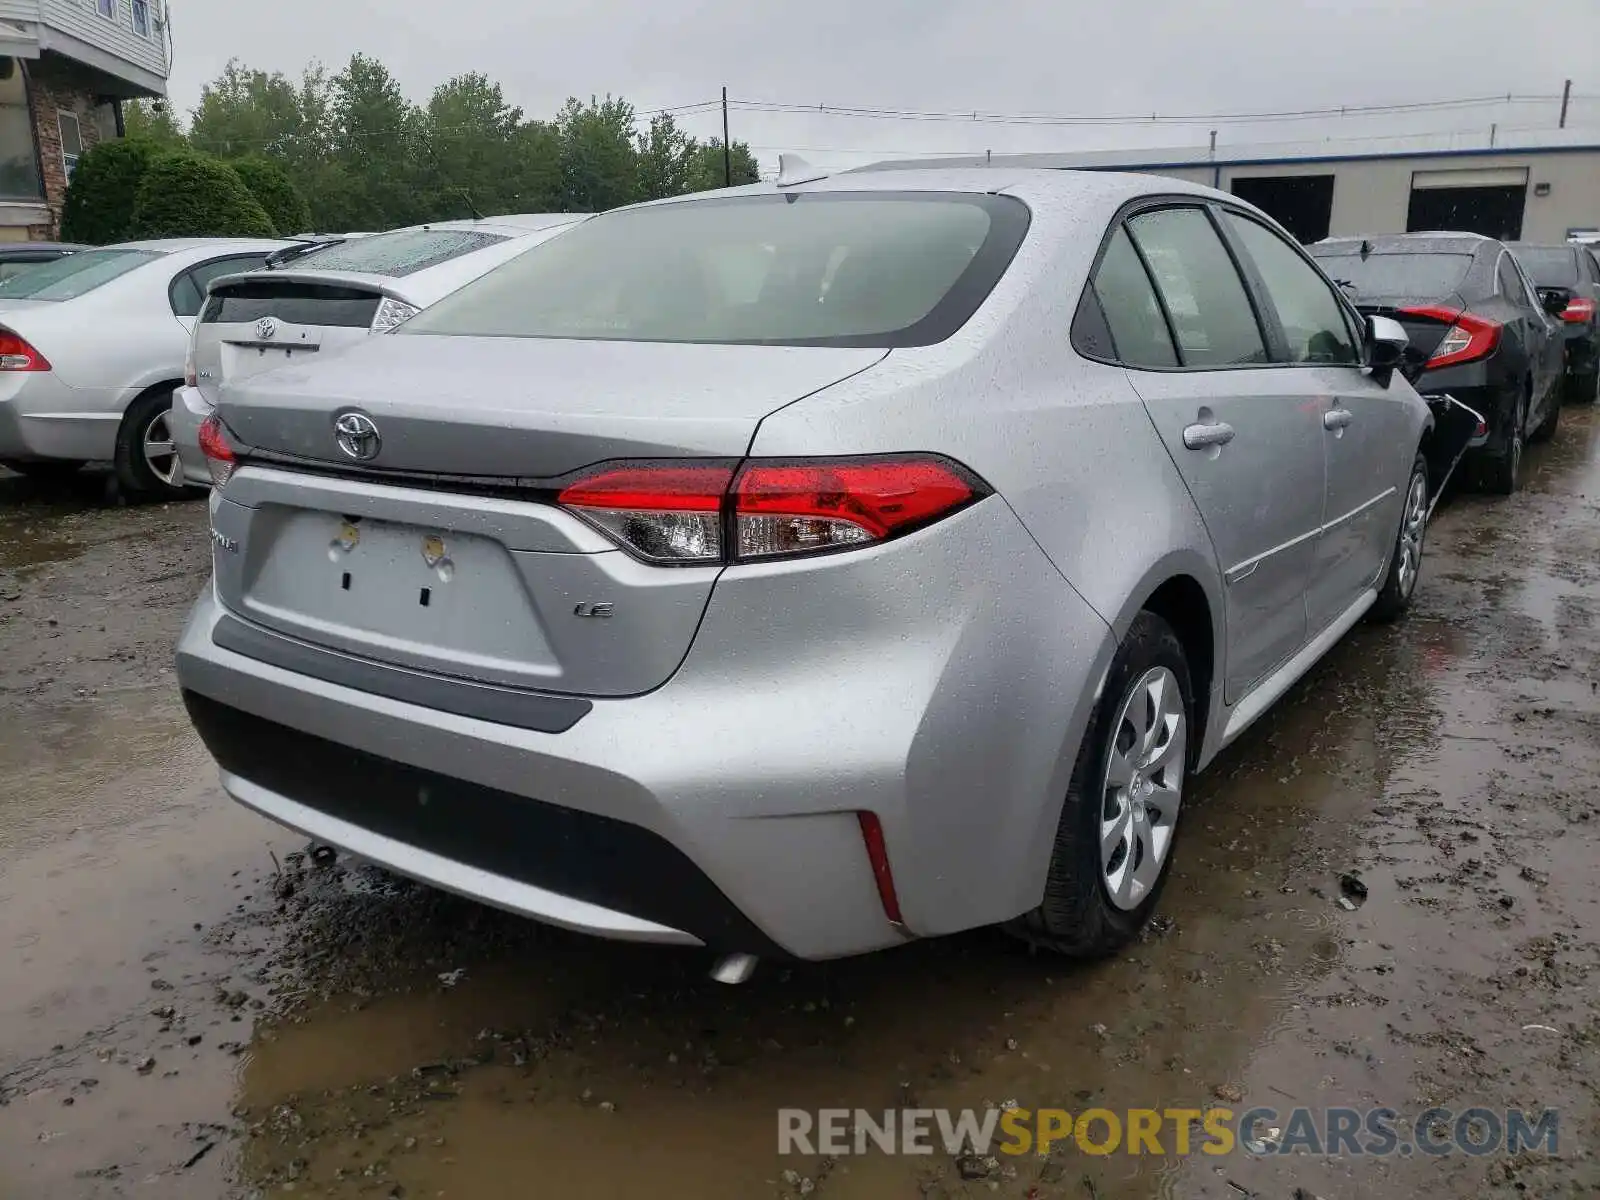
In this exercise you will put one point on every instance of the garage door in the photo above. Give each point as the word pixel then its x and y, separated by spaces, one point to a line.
pixel 1487 200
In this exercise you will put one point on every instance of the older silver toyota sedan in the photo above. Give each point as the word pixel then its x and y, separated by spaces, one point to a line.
pixel 803 568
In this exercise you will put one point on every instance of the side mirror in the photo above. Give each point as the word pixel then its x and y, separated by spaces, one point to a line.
pixel 1387 343
pixel 1556 299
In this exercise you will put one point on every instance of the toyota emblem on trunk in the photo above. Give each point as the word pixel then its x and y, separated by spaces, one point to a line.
pixel 357 436
pixel 267 329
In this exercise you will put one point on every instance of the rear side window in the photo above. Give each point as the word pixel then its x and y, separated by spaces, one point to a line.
pixel 1133 315
pixel 398 254
pixel 1313 321
pixel 188 291
pixel 1204 296
pixel 813 268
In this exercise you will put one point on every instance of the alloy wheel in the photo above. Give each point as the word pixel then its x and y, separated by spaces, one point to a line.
pixel 160 453
pixel 1143 787
pixel 1412 527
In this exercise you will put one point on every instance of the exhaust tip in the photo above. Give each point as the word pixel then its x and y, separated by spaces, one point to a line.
pixel 734 968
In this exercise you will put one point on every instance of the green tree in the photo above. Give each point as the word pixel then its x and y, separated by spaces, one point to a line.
pixel 379 141
pixel 152 121
pixel 706 170
pixel 534 168
pixel 469 131
pixel 599 164
pixel 664 156
pixel 100 200
pixel 190 195
pixel 270 184
pixel 246 112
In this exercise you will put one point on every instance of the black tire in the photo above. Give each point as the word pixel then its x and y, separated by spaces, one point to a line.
pixel 46 470
pixel 1400 581
pixel 1078 916
pixel 1552 419
pixel 1502 474
pixel 1582 389
pixel 134 470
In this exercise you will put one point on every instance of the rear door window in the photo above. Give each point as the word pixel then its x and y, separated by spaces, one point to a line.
pixel 1314 324
pixel 1133 315
pixel 1205 298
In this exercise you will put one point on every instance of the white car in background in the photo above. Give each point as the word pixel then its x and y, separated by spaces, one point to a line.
pixel 91 348
pixel 330 297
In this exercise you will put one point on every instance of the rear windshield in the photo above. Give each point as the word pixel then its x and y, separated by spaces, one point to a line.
pixel 398 254
pixel 70 277
pixel 1389 274
pixel 840 269
pixel 1550 266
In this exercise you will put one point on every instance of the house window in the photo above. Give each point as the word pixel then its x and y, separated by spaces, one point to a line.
pixel 141 17
pixel 71 143
pixel 107 9
pixel 19 164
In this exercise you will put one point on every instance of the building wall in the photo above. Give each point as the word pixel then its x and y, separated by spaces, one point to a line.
pixel 82 19
pixel 1373 195
pixel 58 85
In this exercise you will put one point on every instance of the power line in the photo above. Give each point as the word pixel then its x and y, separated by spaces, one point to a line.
pixel 980 116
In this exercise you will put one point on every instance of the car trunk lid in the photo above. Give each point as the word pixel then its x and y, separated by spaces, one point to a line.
pixel 449 559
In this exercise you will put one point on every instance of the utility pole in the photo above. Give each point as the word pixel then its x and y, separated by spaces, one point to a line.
pixel 727 148
pixel 1566 102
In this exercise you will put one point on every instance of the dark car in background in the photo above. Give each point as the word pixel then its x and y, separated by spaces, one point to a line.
pixel 19 256
pixel 1479 331
pixel 1572 273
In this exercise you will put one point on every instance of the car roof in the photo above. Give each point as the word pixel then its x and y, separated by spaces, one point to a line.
pixel 1572 247
pixel 1042 184
pixel 40 247
pixel 174 245
pixel 1408 243
pixel 511 223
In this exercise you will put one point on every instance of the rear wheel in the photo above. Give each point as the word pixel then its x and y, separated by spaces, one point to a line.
pixel 1547 427
pixel 1114 843
pixel 147 458
pixel 1405 563
pixel 1582 389
pixel 1502 474
pixel 46 470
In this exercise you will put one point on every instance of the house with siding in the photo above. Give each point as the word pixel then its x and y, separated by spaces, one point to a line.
pixel 66 68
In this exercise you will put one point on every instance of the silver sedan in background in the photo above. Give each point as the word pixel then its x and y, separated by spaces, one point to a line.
pixel 332 297
pixel 803 568
pixel 91 348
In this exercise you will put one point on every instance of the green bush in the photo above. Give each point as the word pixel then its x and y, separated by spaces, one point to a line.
pixel 100 199
pixel 277 193
pixel 188 195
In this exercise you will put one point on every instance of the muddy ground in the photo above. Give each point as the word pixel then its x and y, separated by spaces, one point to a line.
pixel 191 1007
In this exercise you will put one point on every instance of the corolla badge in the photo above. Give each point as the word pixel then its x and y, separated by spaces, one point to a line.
pixel 267 329
pixel 357 436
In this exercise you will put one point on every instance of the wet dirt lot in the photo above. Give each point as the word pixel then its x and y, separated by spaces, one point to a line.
pixel 189 1006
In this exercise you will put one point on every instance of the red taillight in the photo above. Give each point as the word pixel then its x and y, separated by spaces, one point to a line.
pixel 678 512
pixel 792 508
pixel 220 457
pixel 17 355
pixel 878 856
pixel 1579 311
pixel 1468 339
pixel 664 512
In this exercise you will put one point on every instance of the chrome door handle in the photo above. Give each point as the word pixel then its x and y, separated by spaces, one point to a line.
pixel 1199 437
pixel 1337 418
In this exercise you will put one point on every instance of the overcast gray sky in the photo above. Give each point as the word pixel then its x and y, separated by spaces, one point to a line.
pixel 1108 57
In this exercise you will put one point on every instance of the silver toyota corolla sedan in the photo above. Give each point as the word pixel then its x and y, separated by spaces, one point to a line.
pixel 91 348
pixel 800 569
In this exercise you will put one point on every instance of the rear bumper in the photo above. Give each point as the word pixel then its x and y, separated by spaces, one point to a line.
pixel 942 683
pixel 1476 387
pixel 42 418
pixel 1583 351
pixel 189 409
